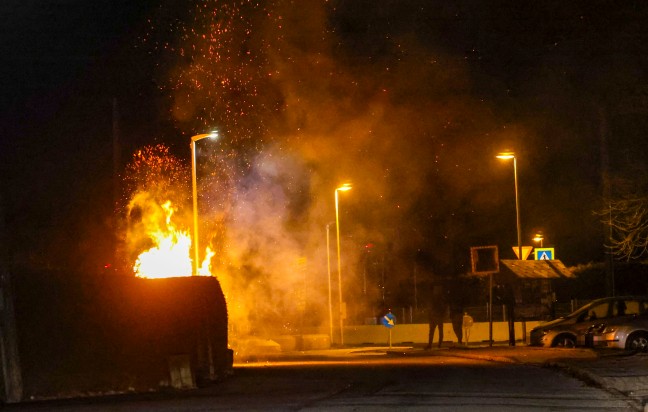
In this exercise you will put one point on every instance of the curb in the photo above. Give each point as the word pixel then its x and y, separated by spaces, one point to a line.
pixel 468 355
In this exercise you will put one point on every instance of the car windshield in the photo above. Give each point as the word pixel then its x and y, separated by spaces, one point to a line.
pixel 582 309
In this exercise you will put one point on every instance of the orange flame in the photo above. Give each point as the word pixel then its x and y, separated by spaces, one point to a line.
pixel 171 254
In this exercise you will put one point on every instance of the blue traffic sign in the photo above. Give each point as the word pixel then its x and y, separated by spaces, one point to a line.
pixel 544 253
pixel 389 320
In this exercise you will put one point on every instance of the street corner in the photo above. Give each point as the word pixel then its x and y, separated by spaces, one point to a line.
pixel 411 351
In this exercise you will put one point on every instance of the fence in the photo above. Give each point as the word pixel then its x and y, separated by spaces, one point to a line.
pixel 410 315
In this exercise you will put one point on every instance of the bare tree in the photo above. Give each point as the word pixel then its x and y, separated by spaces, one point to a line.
pixel 627 219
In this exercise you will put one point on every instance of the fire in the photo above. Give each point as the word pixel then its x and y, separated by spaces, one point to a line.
pixel 205 267
pixel 171 254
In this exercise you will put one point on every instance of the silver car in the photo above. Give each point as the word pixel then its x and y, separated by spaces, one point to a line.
pixel 565 331
pixel 630 332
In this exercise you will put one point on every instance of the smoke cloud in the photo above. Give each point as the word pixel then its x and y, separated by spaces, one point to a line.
pixel 310 96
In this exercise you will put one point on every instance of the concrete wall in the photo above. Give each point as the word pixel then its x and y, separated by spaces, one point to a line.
pixel 418 333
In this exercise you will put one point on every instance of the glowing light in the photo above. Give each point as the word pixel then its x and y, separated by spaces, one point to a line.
pixel 170 255
pixel 506 155
pixel 205 267
pixel 344 187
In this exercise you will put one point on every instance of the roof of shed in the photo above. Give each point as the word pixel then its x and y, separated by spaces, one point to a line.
pixel 537 269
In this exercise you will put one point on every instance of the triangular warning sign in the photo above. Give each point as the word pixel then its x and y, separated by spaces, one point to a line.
pixel 544 256
pixel 526 251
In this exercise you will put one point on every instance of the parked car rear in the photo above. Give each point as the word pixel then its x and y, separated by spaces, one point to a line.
pixel 565 331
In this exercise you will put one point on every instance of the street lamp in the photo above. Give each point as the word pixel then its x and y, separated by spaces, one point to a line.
pixel 328 266
pixel 194 139
pixel 342 188
pixel 539 237
pixel 508 156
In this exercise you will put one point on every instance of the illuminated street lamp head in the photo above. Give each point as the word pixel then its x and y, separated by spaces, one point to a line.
pixel 506 155
pixel 211 135
pixel 344 187
pixel 538 237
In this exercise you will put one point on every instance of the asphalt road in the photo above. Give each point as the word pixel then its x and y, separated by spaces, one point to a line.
pixel 378 379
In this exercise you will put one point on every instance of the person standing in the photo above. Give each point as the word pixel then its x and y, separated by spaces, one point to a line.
pixel 457 309
pixel 456 318
pixel 436 313
pixel 508 299
pixel 467 323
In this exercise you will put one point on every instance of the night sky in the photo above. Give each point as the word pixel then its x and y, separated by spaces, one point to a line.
pixel 437 87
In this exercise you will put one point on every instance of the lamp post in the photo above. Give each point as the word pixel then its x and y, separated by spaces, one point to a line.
pixel 342 188
pixel 539 237
pixel 194 139
pixel 507 156
pixel 328 266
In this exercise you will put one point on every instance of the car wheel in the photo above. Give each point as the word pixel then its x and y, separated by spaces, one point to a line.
pixel 637 341
pixel 564 341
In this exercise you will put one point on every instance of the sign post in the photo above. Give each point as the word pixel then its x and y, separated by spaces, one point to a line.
pixel 485 261
pixel 389 321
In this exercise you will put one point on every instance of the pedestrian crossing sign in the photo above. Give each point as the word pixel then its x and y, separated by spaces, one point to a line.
pixel 546 253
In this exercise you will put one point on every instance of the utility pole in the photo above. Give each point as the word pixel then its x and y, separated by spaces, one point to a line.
pixel 607 194
pixel 116 182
